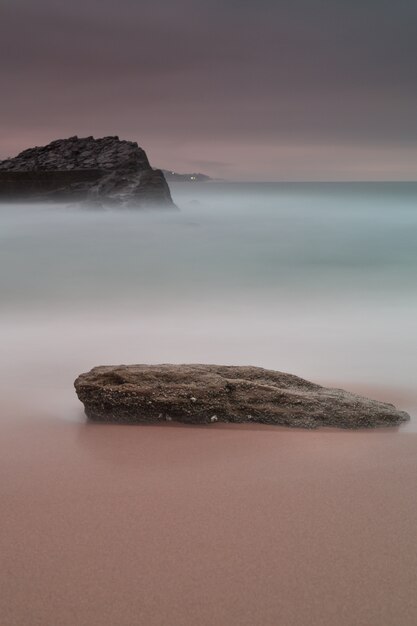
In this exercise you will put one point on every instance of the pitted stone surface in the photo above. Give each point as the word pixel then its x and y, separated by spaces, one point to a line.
pixel 207 394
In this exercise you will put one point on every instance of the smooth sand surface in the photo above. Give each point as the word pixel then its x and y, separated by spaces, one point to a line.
pixel 220 525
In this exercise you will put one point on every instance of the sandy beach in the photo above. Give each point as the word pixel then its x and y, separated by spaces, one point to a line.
pixel 216 525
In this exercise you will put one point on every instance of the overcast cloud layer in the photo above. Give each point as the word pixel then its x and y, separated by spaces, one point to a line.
pixel 266 90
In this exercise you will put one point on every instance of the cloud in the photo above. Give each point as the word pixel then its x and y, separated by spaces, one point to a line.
pixel 184 73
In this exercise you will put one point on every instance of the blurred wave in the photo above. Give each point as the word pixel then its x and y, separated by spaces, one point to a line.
pixel 316 279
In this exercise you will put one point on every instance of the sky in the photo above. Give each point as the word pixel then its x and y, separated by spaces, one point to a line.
pixel 240 90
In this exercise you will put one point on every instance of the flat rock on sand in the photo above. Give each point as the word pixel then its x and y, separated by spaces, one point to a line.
pixel 203 394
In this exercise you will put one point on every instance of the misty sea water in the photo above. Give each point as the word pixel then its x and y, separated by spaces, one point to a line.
pixel 176 524
pixel 314 279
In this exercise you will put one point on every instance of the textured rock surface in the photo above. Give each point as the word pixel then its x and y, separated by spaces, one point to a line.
pixel 100 171
pixel 202 394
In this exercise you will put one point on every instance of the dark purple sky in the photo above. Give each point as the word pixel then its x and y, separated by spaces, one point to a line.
pixel 265 90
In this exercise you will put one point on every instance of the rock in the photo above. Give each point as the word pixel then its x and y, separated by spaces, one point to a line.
pixel 107 170
pixel 203 394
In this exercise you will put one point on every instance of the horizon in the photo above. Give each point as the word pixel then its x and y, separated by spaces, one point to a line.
pixel 239 180
pixel 249 181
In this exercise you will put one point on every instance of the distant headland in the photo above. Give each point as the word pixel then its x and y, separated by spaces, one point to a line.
pixel 195 177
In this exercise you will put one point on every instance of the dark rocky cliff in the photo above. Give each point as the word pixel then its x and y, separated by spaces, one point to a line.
pixel 105 171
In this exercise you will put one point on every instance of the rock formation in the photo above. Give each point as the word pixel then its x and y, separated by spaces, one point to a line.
pixel 202 394
pixel 98 171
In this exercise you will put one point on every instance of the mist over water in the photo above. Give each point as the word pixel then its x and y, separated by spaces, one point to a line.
pixel 315 279
pixel 230 524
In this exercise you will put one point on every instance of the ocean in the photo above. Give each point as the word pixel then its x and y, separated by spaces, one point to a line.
pixel 103 524
pixel 314 279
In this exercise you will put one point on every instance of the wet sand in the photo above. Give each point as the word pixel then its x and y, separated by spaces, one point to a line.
pixel 218 525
